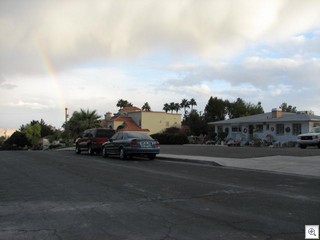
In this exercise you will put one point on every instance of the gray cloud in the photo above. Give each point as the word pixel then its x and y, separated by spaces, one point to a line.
pixel 266 50
pixel 70 32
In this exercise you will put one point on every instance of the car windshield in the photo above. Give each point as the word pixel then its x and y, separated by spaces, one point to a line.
pixel 138 135
pixel 316 129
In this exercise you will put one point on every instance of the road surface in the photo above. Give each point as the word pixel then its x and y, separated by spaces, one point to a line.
pixel 60 195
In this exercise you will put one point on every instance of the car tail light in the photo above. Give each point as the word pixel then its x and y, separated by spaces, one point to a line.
pixel 134 144
pixel 102 140
pixel 157 144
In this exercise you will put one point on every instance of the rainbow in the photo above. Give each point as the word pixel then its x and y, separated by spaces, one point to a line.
pixel 49 68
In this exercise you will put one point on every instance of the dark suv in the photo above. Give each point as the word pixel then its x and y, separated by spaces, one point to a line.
pixel 92 139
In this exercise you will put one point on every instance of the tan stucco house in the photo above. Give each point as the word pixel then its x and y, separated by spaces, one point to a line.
pixel 135 119
pixel 282 127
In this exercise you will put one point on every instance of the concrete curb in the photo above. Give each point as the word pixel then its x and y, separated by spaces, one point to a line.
pixel 190 159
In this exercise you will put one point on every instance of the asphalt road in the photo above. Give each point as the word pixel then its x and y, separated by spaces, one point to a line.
pixel 61 195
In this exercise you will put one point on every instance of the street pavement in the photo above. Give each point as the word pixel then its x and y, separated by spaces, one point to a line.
pixel 60 195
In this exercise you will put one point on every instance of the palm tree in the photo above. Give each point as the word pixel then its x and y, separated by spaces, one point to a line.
pixel 81 121
pixel 185 104
pixel 146 107
pixel 192 103
pixel 166 107
pixel 172 106
pixel 177 107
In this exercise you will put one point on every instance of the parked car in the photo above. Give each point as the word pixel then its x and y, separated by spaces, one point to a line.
pixel 92 139
pixel 309 139
pixel 129 144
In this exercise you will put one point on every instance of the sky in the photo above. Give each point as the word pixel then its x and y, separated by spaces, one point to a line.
pixel 88 54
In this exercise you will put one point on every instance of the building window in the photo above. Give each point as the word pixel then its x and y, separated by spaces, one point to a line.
pixel 296 129
pixel 268 127
pixel 316 124
pixel 280 129
pixel 236 129
pixel 259 128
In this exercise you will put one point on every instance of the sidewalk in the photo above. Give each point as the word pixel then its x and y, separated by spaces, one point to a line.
pixel 307 166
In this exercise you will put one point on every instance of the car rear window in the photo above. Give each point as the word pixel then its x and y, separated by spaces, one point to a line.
pixel 138 135
pixel 105 133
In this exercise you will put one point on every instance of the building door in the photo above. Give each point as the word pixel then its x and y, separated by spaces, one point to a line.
pixel 250 132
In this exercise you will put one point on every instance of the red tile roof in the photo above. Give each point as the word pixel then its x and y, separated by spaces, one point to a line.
pixel 131 109
pixel 129 124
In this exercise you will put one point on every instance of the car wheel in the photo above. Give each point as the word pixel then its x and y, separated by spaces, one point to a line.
pixel 303 146
pixel 104 152
pixel 78 151
pixel 90 151
pixel 152 156
pixel 122 154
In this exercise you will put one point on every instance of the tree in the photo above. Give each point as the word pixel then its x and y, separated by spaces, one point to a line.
pixel 185 104
pixel 196 123
pixel 177 107
pixel 33 133
pixel 81 121
pixel 146 107
pixel 46 130
pixel 2 140
pixel 192 103
pixel 240 108
pixel 237 109
pixel 17 139
pixel 215 110
pixel 285 108
pixel 123 103
pixel 255 109
pixel 172 106
pixel 166 107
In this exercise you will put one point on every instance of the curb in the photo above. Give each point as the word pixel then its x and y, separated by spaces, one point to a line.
pixel 190 160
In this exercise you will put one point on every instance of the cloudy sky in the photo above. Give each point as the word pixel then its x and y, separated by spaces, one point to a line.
pixel 90 53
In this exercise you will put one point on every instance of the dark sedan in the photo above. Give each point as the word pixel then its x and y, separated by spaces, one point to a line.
pixel 128 144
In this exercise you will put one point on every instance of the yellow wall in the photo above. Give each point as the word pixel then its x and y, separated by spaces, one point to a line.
pixel 156 121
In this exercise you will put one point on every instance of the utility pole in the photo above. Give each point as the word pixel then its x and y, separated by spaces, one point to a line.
pixel 66 115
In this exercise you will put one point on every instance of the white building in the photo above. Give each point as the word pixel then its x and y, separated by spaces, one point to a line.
pixel 277 126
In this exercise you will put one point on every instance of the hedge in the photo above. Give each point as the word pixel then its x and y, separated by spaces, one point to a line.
pixel 170 138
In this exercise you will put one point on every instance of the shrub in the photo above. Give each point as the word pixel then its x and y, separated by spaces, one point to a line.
pixel 170 138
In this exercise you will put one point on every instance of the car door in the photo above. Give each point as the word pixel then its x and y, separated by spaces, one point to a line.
pixel 111 146
pixel 84 139
pixel 118 142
